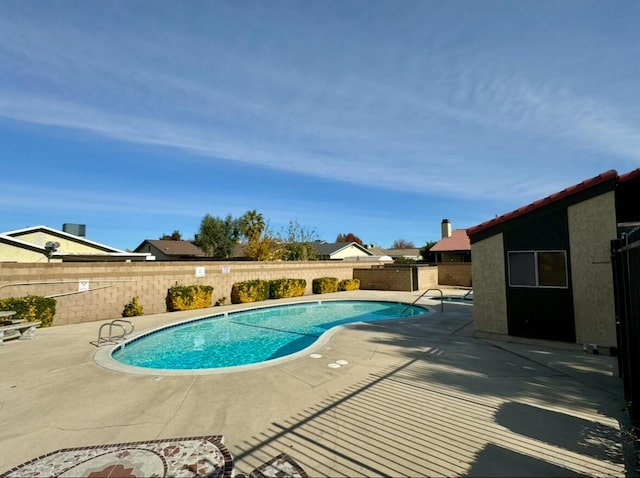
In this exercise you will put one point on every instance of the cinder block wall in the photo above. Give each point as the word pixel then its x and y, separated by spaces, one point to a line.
pixel 428 277
pixel 384 279
pixel 454 273
pixel 112 285
pixel 396 278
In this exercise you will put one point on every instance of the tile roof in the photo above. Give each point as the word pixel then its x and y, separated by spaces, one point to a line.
pixel 586 184
pixel 629 176
pixel 330 248
pixel 377 251
pixel 458 241
pixel 175 248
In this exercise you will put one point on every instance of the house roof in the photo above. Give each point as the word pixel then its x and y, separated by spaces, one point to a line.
pixel 378 251
pixel 629 176
pixel 103 252
pixel 170 247
pixel 610 175
pixel 14 241
pixel 330 248
pixel 55 232
pixel 458 241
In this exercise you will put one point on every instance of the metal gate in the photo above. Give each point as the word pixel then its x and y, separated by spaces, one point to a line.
pixel 625 259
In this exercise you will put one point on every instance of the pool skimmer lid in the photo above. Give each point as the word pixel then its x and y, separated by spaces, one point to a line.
pixel 338 363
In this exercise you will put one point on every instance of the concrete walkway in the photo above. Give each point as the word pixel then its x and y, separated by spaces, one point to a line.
pixel 418 397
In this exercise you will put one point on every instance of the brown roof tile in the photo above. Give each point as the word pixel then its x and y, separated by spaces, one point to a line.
pixel 176 248
pixel 601 178
pixel 458 241
pixel 629 176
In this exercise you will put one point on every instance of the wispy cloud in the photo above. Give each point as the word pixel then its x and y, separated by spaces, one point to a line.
pixel 412 116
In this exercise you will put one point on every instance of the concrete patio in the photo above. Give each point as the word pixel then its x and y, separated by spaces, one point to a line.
pixel 418 397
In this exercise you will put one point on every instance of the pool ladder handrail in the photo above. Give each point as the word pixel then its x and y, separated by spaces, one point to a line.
pixel 422 295
pixel 121 324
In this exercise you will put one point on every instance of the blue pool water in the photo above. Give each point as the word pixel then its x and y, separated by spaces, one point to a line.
pixel 250 336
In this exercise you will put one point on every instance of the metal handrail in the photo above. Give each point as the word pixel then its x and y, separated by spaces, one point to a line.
pixel 422 295
pixel 119 323
pixel 127 322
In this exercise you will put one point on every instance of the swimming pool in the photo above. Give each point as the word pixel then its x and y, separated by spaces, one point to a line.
pixel 244 337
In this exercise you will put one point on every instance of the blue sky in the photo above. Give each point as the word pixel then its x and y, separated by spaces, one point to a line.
pixel 379 118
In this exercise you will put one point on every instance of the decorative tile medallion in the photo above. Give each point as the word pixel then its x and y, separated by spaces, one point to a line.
pixel 282 466
pixel 174 457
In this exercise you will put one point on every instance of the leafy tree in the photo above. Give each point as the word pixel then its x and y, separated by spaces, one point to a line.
pixel 298 243
pixel 174 236
pixel 267 248
pixel 424 251
pixel 251 225
pixel 402 244
pixel 217 236
pixel 349 237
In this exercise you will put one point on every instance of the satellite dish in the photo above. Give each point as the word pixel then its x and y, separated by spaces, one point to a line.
pixel 51 247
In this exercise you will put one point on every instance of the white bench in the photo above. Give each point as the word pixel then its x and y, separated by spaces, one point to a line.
pixel 27 330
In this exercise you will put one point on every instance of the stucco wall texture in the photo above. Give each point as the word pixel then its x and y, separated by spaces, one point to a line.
pixel 592 225
pixel 489 286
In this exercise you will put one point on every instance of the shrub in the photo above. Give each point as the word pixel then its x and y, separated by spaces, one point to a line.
pixel 31 308
pixel 133 308
pixel 282 288
pixel 249 291
pixel 188 297
pixel 349 284
pixel 324 285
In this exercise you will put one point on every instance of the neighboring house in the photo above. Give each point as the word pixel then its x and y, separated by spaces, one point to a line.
pixel 45 244
pixel 379 253
pixel 341 251
pixel 544 271
pixel 454 245
pixel 170 250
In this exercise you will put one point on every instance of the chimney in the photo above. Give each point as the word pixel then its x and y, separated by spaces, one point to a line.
pixel 446 228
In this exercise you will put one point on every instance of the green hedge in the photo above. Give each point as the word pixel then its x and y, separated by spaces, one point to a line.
pixel 31 308
pixel 250 291
pixel 283 288
pixel 324 285
pixel 349 284
pixel 188 297
pixel 133 308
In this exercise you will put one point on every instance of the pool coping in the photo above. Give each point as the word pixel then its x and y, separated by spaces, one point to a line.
pixel 103 356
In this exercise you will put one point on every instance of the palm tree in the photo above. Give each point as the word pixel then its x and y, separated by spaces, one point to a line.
pixel 252 225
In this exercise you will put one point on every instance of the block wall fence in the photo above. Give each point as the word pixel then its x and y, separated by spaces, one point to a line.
pixel 454 273
pixel 87 292
pixel 112 284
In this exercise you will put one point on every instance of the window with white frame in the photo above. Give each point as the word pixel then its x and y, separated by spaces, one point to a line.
pixel 537 268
